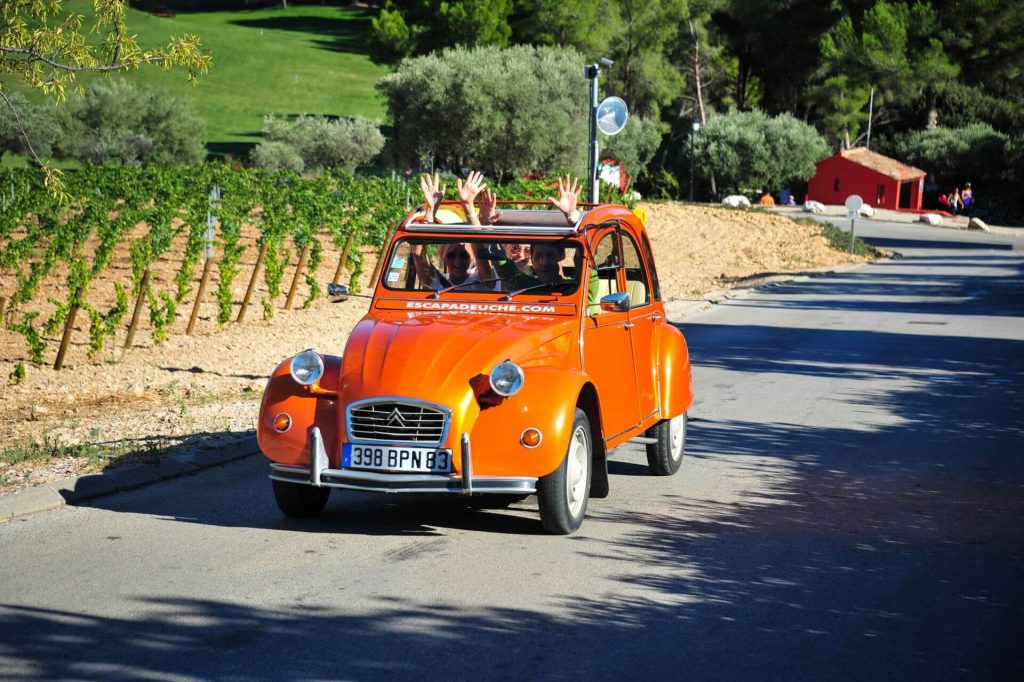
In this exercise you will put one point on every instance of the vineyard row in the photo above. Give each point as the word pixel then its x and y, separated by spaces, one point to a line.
pixel 146 211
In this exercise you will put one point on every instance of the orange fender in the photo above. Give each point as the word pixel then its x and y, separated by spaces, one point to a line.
pixel 676 385
pixel 307 406
pixel 547 402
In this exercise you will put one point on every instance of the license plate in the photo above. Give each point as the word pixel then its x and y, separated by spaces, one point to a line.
pixel 396 458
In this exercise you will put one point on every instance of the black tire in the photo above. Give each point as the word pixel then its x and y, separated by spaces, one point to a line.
pixel 300 501
pixel 665 456
pixel 562 495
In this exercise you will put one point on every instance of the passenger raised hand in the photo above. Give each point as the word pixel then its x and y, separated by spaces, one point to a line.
pixel 433 195
pixel 467 191
pixel 489 213
pixel 568 195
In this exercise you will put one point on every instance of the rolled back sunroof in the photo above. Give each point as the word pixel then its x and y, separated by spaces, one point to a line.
pixel 518 221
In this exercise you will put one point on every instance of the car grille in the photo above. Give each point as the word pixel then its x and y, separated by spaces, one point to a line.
pixel 397 422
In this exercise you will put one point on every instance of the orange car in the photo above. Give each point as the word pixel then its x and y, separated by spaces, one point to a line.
pixel 499 360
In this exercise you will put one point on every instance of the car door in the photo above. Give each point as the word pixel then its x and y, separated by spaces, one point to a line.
pixel 607 348
pixel 643 318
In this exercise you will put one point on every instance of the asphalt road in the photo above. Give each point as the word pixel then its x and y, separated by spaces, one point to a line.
pixel 851 508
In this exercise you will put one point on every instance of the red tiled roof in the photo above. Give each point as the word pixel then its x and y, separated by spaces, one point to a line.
pixel 882 164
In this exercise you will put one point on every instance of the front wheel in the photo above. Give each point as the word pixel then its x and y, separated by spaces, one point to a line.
pixel 298 500
pixel 562 494
pixel 665 456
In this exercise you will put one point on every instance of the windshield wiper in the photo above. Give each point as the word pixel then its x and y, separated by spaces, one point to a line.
pixel 509 295
pixel 438 292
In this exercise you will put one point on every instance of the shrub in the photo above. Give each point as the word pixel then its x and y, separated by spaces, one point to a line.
pixel 275 155
pixel 634 147
pixel 317 142
pixel 38 122
pixel 116 122
pixel 953 155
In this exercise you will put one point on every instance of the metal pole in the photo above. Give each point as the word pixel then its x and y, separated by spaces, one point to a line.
pixel 851 235
pixel 593 133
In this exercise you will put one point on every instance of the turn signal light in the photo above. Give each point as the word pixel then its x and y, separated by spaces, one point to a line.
pixel 531 438
pixel 282 423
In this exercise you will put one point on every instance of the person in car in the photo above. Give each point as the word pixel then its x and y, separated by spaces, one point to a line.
pixel 458 267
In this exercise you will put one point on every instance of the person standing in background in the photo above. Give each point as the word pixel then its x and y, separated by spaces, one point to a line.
pixel 967 198
pixel 955 202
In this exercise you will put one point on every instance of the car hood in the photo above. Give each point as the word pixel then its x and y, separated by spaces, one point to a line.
pixel 433 356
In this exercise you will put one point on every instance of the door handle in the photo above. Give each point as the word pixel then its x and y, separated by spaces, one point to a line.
pixel 629 325
pixel 657 316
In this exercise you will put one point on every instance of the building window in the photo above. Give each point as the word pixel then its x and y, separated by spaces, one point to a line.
pixel 835 187
pixel 880 195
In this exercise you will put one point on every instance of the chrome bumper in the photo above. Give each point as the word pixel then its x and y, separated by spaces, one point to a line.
pixel 321 475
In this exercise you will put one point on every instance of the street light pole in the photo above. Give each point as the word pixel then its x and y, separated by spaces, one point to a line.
pixel 592 71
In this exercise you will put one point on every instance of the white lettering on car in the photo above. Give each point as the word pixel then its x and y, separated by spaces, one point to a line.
pixel 479 307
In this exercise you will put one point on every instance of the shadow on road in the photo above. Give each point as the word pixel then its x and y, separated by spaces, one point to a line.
pixel 888 545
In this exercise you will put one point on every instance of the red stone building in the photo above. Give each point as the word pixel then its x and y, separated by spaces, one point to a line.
pixel 878 180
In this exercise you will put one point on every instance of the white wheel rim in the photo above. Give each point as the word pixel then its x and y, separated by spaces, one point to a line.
pixel 677 433
pixel 577 462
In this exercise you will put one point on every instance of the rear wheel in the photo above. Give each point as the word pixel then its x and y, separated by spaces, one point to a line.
pixel 665 456
pixel 298 500
pixel 562 494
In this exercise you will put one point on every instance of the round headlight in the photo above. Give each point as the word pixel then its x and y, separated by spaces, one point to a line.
pixel 307 367
pixel 507 378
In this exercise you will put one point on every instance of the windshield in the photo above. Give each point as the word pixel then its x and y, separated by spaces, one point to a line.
pixel 431 264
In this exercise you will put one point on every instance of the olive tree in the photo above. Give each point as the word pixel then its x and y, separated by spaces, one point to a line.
pixel 116 122
pixel 505 111
pixel 749 150
pixel 316 142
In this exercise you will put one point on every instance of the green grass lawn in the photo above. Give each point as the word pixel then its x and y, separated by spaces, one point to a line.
pixel 303 60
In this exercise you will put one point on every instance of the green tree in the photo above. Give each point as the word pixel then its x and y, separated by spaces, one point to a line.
pixel 391 39
pixel 894 49
pixel 506 111
pixel 954 155
pixel 749 150
pixel 117 122
pixel 420 26
pixel 587 25
pixel 844 107
pixel 46 47
pixel 645 33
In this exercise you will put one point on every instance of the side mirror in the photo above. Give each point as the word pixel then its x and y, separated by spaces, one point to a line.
pixel 337 292
pixel 615 303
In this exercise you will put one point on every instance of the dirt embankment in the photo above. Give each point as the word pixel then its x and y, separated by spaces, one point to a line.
pixel 204 389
